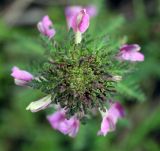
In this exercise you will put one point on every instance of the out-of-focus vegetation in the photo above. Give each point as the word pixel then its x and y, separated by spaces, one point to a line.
pixel 21 130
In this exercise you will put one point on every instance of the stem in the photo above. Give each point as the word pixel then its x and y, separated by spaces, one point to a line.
pixel 78 37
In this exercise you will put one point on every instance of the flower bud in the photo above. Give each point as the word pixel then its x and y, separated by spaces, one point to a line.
pixel 117 78
pixel 80 24
pixel 21 77
pixel 40 104
pixel 45 27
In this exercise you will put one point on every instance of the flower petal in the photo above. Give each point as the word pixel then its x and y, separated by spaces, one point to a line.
pixel 56 118
pixel 59 122
pixel 131 47
pixel 136 56
pixel 84 23
pixel 80 22
pixel 91 10
pixel 73 128
pixel 116 111
pixel 107 125
pixel 110 118
pixel 70 13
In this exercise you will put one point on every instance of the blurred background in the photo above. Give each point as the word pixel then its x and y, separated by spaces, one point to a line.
pixel 20 130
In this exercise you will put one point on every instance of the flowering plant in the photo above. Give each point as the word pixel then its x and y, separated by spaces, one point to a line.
pixel 80 74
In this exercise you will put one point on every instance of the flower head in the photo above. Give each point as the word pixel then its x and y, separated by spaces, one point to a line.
pixel 21 77
pixel 131 53
pixel 110 118
pixel 40 104
pixel 66 126
pixel 45 27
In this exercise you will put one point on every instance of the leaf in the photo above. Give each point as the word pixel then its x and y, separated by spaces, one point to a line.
pixel 130 90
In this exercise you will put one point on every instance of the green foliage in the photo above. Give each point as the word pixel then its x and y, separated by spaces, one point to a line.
pixel 130 90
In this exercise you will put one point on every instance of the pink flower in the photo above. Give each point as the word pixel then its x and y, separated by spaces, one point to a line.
pixel 59 122
pixel 80 22
pixel 110 118
pixel 45 27
pixel 130 53
pixel 57 118
pixel 91 10
pixel 21 77
pixel 73 126
pixel 70 13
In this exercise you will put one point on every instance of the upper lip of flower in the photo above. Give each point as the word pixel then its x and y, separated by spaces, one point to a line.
pixel 130 53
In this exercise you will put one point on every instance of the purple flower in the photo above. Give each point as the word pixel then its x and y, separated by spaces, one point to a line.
pixel 91 10
pixel 21 77
pixel 80 22
pixel 40 104
pixel 110 118
pixel 45 27
pixel 59 122
pixel 130 53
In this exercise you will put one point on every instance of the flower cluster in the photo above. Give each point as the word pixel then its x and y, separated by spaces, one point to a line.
pixel 79 77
